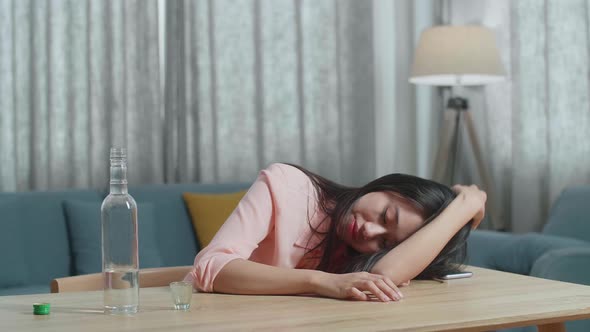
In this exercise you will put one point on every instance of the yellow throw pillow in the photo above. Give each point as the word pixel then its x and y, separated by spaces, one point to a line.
pixel 209 212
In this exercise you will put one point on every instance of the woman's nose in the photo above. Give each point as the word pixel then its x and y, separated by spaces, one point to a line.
pixel 372 229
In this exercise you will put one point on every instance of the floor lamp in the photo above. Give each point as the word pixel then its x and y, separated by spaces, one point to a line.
pixel 449 56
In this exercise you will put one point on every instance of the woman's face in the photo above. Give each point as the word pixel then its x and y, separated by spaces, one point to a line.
pixel 379 220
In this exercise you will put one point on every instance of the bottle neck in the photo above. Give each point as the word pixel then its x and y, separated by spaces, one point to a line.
pixel 118 177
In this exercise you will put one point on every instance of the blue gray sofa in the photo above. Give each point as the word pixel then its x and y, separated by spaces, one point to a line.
pixel 36 240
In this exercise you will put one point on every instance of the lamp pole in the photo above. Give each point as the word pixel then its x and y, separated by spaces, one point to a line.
pixel 458 105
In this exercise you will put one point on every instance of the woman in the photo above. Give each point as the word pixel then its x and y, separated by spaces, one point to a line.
pixel 295 232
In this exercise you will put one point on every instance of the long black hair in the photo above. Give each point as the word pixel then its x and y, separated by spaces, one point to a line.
pixel 429 197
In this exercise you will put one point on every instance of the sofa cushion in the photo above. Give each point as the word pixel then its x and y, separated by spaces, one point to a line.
pixel 84 223
pixel 12 251
pixel 209 212
pixel 42 224
pixel 176 236
pixel 570 214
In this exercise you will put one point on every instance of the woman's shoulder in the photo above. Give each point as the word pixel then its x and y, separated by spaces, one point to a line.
pixel 288 175
pixel 285 170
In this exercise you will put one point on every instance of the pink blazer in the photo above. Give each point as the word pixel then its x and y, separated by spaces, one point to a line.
pixel 269 226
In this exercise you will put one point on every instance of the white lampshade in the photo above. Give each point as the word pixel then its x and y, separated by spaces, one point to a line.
pixel 457 55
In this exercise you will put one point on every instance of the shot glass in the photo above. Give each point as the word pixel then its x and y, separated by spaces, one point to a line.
pixel 182 293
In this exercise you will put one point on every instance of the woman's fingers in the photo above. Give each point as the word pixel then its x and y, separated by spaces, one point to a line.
pixel 365 286
pixel 388 286
pixel 372 287
pixel 391 292
pixel 392 286
pixel 358 295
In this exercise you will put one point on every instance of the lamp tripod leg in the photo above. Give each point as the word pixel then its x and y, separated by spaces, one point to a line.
pixel 456 141
pixel 487 181
pixel 441 165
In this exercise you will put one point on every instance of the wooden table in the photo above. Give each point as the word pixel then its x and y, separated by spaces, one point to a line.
pixel 490 300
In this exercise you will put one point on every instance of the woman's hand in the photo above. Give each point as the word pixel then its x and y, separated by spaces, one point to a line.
pixel 353 286
pixel 475 199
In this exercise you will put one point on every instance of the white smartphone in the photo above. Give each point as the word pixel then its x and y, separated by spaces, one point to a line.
pixel 460 275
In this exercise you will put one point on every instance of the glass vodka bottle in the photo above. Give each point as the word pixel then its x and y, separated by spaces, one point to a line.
pixel 120 261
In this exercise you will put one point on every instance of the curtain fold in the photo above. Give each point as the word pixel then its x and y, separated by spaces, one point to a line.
pixel 77 78
pixel 269 81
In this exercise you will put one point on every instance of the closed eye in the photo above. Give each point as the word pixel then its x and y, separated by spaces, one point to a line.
pixel 383 243
pixel 384 216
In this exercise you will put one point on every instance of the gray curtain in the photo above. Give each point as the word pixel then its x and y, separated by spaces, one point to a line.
pixel 536 127
pixel 246 83
pixel 77 77
pixel 208 91
pixel 256 81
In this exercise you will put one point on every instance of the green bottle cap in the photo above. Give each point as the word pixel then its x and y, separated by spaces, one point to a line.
pixel 41 308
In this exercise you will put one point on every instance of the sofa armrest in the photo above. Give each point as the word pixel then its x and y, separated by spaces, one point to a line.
pixel 515 253
pixel 569 264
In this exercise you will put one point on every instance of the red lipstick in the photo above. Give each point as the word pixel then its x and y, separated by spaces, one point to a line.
pixel 353 229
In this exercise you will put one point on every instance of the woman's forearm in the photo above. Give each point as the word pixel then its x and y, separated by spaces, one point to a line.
pixel 246 277
pixel 413 255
